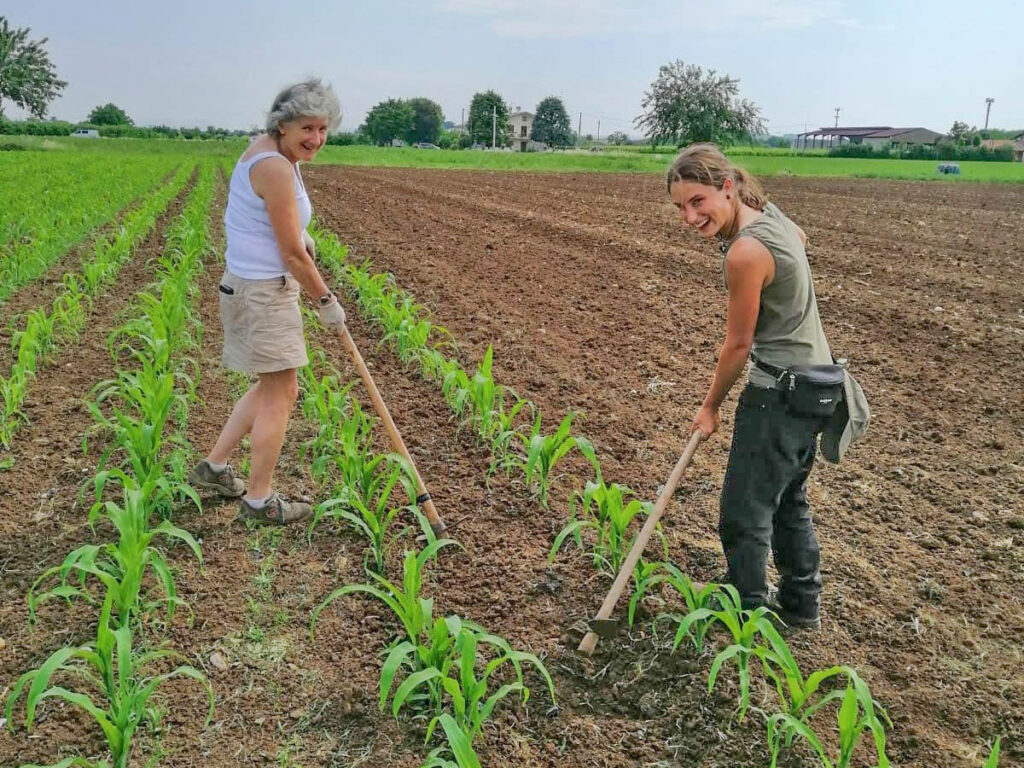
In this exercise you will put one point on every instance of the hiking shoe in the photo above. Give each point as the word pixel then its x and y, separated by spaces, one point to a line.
pixel 794 622
pixel 224 482
pixel 279 510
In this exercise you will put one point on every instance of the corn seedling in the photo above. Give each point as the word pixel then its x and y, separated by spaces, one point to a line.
pixel 117 670
pixel 645 576
pixel 440 650
pixel 691 624
pixel 376 519
pixel 121 567
pixel 993 757
pixel 743 625
pixel 605 511
pixel 413 611
pixel 858 712
pixel 543 452
pixel 468 694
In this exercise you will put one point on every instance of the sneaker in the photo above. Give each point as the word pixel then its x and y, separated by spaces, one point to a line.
pixel 278 510
pixel 224 482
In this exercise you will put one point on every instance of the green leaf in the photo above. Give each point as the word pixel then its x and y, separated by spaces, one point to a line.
pixel 409 685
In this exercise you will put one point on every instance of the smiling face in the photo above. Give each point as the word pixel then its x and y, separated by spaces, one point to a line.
pixel 302 137
pixel 705 208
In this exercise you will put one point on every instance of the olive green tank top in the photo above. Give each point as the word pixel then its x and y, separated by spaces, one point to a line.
pixel 788 330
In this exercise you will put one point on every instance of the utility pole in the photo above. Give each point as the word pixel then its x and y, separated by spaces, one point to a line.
pixel 836 126
pixel 494 126
pixel 598 131
pixel 579 131
pixel 988 108
pixel 463 127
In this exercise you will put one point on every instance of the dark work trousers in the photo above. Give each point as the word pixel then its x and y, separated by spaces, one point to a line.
pixel 764 501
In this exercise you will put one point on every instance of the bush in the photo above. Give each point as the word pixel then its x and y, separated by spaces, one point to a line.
pixel 942 150
pixel 348 139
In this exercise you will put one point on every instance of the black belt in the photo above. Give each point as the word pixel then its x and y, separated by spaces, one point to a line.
pixel 771 370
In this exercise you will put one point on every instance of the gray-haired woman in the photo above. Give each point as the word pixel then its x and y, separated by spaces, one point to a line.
pixel 269 262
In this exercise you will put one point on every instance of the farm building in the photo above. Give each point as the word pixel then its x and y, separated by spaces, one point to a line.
pixel 520 124
pixel 875 136
pixel 1017 144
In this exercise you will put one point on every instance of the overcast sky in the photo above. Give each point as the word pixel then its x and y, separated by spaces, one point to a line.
pixel 220 62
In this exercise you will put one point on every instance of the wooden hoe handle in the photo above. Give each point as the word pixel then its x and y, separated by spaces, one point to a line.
pixel 589 642
pixel 423 500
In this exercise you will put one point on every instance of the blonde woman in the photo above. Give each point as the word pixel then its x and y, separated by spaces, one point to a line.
pixel 269 263
pixel 773 320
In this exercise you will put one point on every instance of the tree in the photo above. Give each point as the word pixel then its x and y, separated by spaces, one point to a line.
pixel 961 133
pixel 27 77
pixel 389 120
pixel 551 123
pixel 481 118
pixel 426 121
pixel 618 137
pixel 687 104
pixel 109 114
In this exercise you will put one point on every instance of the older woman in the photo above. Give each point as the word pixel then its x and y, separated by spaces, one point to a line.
pixel 269 263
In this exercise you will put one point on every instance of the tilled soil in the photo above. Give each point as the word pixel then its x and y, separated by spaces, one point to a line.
pixel 595 300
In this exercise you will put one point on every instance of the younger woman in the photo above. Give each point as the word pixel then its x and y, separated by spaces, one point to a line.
pixel 773 319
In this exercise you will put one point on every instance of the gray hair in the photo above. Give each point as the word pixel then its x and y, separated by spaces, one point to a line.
pixel 310 97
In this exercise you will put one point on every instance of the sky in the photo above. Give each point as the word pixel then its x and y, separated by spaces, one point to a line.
pixel 220 62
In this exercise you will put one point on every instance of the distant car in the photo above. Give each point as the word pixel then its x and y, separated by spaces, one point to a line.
pixel 953 168
pixel 86 133
pixel 425 145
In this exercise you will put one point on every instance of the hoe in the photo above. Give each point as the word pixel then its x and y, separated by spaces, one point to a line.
pixel 423 500
pixel 604 625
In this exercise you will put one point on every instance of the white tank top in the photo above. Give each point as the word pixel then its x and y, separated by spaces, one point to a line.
pixel 252 250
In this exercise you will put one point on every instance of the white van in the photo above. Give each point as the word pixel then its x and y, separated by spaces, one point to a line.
pixel 87 133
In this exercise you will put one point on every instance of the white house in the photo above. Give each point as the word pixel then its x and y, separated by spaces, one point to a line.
pixel 520 124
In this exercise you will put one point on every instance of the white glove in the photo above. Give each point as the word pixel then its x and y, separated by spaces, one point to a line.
pixel 332 316
pixel 307 241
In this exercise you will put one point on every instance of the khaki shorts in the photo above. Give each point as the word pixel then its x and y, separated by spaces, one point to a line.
pixel 262 324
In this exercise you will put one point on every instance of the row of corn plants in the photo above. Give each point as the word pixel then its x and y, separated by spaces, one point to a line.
pixel 142 414
pixel 371 493
pixel 603 523
pixel 509 425
pixel 44 329
pixel 47 212
pixel 448 672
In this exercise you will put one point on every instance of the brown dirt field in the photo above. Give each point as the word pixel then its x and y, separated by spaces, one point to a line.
pixel 595 299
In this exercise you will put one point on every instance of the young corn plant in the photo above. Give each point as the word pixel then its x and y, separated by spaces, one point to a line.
pixel 493 421
pixel 117 671
pixel 471 699
pixel 543 452
pixel 328 404
pixel 433 658
pixel 376 520
pixel 691 624
pixel 993 756
pixel 121 568
pixel 646 576
pixel 857 712
pixel 604 509
pixel 746 628
pixel 414 612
